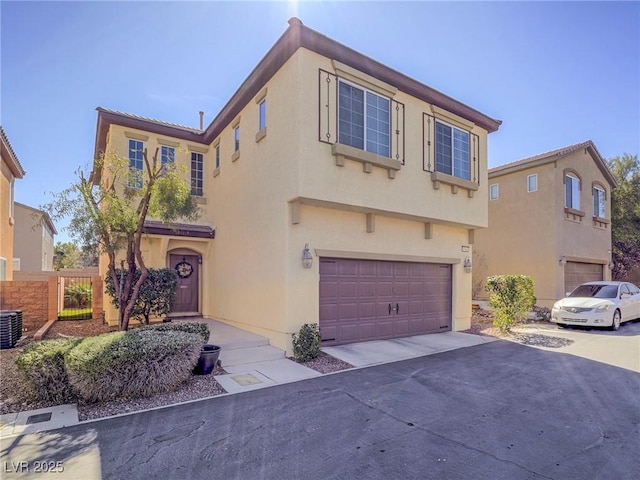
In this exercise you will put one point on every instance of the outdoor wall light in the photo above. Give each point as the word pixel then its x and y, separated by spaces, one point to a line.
pixel 307 257
pixel 467 265
pixel 562 261
pixel 611 265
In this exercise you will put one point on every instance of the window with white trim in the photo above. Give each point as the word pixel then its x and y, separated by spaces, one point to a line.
pixel 452 151
pixel 532 183
pixel 167 155
pixel 364 119
pixel 136 158
pixel 599 205
pixel 493 191
pixel 236 139
pixel 572 192
pixel 197 177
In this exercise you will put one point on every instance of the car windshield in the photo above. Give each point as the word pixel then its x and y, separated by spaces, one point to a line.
pixel 595 291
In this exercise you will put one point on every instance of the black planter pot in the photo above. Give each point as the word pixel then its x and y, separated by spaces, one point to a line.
pixel 208 359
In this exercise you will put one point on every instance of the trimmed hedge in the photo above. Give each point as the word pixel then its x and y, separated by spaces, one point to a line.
pixel 201 329
pixel 42 367
pixel 136 363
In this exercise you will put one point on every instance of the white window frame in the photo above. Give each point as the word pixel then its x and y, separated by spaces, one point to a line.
pixel 574 201
pixel 494 187
pixel 533 177
pixel 452 146
pixel 365 139
pixel 236 138
pixel 12 192
pixel 197 178
pixel 135 181
pixel 599 202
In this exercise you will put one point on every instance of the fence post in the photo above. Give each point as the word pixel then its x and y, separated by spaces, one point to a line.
pixel 96 297
pixel 52 298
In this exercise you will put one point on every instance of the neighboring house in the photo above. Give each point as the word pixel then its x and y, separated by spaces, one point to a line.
pixel 34 231
pixel 10 170
pixel 381 178
pixel 549 218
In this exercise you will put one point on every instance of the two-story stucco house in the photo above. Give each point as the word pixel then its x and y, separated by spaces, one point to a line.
pixel 10 170
pixel 334 190
pixel 549 218
pixel 34 233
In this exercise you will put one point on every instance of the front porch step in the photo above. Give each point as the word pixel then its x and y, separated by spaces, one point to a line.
pixel 242 356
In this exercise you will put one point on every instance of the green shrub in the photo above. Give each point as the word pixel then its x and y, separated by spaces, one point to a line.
pixel 42 366
pixel 306 345
pixel 156 295
pixel 201 329
pixel 135 363
pixel 511 297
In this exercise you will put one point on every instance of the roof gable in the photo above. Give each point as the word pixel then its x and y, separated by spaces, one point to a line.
pixel 554 155
pixel 296 36
pixel 10 157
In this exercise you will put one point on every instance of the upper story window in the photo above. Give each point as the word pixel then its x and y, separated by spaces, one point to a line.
pixel 3 268
pixel 167 155
pixel 493 191
pixel 599 209
pixel 136 155
pixel 262 115
pixel 452 151
pixel 363 119
pixel 197 177
pixel 532 183
pixel 12 192
pixel 217 156
pixel 236 139
pixel 572 192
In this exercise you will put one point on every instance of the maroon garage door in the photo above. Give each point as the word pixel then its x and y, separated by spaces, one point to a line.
pixel 371 299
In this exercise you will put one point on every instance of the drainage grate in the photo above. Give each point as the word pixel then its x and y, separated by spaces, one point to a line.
pixel 41 417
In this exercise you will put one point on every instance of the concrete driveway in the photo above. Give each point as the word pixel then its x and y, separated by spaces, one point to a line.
pixel 499 410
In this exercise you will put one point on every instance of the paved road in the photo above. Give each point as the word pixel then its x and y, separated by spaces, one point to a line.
pixel 495 411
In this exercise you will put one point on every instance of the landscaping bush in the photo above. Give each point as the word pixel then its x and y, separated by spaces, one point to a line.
pixel 135 363
pixel 201 329
pixel 306 345
pixel 156 295
pixel 42 366
pixel 511 296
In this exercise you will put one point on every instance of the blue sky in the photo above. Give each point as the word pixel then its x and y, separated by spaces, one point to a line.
pixel 555 73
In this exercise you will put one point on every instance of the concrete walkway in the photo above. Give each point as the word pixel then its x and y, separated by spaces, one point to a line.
pixel 251 363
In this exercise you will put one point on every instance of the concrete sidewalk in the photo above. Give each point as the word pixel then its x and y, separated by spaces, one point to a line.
pixel 251 363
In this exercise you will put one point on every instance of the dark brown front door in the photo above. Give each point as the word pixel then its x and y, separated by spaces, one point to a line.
pixel 371 299
pixel 187 294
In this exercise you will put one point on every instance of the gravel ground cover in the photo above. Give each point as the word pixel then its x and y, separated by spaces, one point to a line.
pixel 15 397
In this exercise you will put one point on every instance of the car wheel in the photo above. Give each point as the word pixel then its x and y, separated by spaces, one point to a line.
pixel 615 324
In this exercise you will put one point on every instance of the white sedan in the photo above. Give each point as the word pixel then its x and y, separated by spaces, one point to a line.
pixel 598 304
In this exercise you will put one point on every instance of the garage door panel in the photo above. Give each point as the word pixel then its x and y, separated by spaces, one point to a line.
pixel 384 289
pixel 577 273
pixel 401 288
pixel 367 289
pixel 356 296
pixel 384 329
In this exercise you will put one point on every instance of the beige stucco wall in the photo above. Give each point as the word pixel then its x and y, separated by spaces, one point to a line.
pixel 33 240
pixel 6 223
pixel 252 276
pixel 529 231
